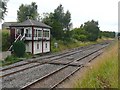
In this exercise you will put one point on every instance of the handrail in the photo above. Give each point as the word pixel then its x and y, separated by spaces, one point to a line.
pixel 17 38
pixel 14 41
pixel 22 37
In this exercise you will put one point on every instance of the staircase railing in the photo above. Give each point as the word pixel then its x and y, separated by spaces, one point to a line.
pixel 16 40
pixel 22 37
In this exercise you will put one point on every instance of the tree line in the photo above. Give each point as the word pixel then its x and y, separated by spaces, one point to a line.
pixel 61 24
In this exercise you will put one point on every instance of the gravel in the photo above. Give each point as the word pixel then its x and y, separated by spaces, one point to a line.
pixel 79 54
pixel 55 78
pixel 12 65
pixel 18 68
pixel 87 59
pixel 20 79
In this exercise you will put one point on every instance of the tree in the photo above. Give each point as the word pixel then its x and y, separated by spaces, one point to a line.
pixel 87 32
pixel 80 34
pixel 57 30
pixel 48 18
pixel 59 21
pixel 57 25
pixel 67 20
pixel 108 34
pixel 3 9
pixel 92 29
pixel 58 15
pixel 26 11
pixel 67 25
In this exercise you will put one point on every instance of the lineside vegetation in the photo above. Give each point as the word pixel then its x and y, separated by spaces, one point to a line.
pixel 103 73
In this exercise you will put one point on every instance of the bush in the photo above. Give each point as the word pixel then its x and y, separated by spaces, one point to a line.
pixel 5 40
pixel 19 48
pixel 82 38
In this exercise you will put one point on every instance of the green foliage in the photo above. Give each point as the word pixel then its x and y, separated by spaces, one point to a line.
pixel 67 44
pixel 13 59
pixel 19 48
pixel 79 34
pixel 9 60
pixel 59 21
pixel 57 30
pixel 87 32
pixel 28 55
pixel 27 10
pixel 47 18
pixel 66 20
pixel 5 40
pixel 107 34
pixel 104 73
pixel 118 34
pixel 3 8
pixel 92 29
pixel 82 38
pixel 67 35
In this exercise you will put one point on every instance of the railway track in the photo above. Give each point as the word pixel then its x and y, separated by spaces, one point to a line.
pixel 51 58
pixel 63 67
pixel 4 69
pixel 31 62
pixel 50 78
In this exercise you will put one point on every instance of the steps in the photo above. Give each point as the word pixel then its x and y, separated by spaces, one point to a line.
pixel 20 37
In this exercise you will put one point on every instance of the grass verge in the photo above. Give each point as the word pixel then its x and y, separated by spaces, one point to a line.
pixel 13 59
pixel 65 45
pixel 104 73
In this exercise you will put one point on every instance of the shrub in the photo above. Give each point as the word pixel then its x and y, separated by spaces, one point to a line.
pixel 11 58
pixel 5 40
pixel 19 48
pixel 82 38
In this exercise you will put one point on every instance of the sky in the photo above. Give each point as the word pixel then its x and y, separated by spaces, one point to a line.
pixel 103 11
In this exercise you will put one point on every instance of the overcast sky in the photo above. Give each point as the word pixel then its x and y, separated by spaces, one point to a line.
pixel 103 11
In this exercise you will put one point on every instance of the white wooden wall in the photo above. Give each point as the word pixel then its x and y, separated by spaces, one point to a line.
pixel 36 49
pixel 46 49
pixel 28 46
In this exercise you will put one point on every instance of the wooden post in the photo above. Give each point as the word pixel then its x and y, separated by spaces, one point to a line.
pixel 12 34
pixel 42 40
pixel 32 40
pixel 50 41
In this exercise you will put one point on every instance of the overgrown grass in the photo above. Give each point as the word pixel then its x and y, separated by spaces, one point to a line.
pixel 13 59
pixel 104 73
pixel 9 60
pixel 65 45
